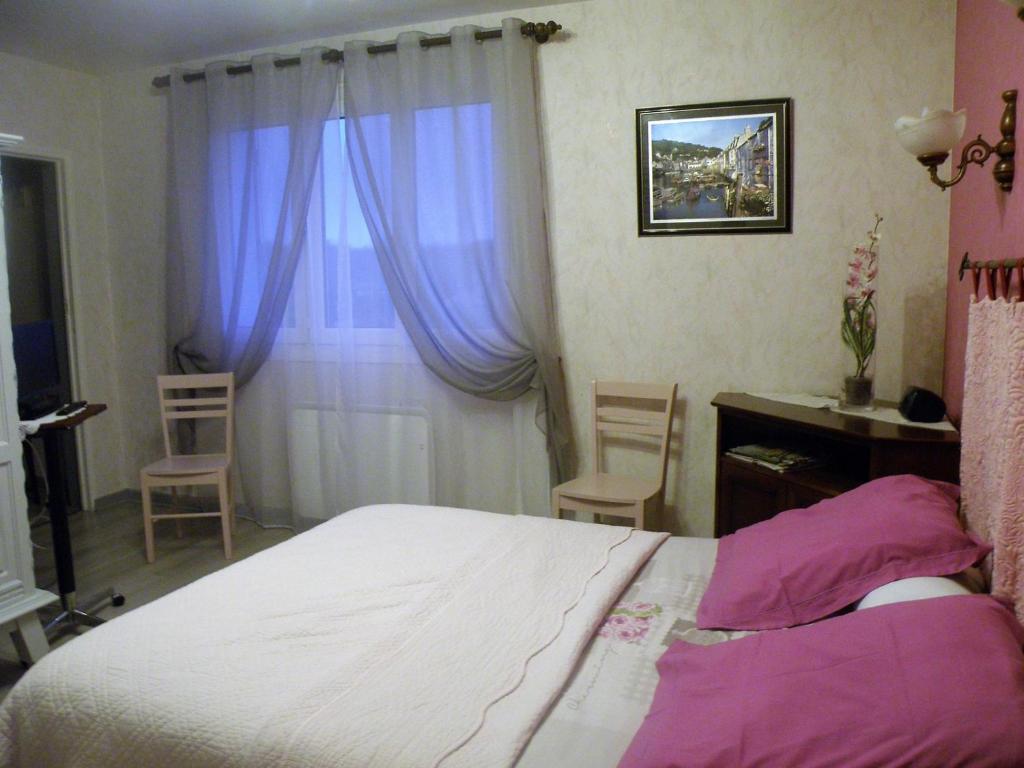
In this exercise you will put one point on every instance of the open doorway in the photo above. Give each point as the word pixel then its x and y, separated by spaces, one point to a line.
pixel 35 268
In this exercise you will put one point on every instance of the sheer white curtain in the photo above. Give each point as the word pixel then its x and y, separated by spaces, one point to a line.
pixel 244 151
pixel 273 274
pixel 444 148
pixel 344 413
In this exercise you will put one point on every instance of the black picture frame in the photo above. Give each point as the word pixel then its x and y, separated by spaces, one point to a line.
pixel 717 168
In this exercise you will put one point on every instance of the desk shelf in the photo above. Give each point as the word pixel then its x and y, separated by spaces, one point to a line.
pixel 853 450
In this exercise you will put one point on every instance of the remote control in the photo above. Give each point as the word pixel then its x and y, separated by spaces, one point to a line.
pixel 71 407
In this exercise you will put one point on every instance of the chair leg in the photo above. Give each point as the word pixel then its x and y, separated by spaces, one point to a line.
pixel 658 510
pixel 225 513
pixel 231 505
pixel 147 518
pixel 639 509
pixel 178 528
pixel 556 503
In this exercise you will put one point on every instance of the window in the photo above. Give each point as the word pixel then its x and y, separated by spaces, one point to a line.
pixel 368 301
pixel 251 205
pixel 339 284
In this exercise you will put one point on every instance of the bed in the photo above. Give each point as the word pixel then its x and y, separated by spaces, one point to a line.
pixel 399 636
pixel 392 635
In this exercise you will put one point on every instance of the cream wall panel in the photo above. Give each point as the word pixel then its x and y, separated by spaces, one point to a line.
pixel 58 113
pixel 754 312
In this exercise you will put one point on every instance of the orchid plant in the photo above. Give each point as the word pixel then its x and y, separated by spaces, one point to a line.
pixel 859 319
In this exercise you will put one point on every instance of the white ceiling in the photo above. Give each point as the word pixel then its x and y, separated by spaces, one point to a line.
pixel 104 36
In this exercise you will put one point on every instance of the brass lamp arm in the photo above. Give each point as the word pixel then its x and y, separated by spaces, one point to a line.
pixel 978 151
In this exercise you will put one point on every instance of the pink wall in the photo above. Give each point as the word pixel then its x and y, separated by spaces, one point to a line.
pixel 983 220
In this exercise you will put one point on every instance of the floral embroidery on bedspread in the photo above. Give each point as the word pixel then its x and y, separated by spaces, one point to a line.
pixel 629 622
pixel 653 613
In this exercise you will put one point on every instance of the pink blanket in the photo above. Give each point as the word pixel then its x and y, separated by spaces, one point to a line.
pixel 992 437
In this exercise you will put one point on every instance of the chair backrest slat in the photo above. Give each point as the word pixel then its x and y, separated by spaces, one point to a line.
pixel 631 429
pixel 189 397
pixel 196 401
pixel 636 415
pixel 647 410
pixel 195 380
pixel 632 389
pixel 196 414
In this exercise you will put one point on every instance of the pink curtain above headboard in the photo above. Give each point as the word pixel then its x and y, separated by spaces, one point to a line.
pixel 992 439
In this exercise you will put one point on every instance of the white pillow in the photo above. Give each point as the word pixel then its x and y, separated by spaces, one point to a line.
pixel 917 588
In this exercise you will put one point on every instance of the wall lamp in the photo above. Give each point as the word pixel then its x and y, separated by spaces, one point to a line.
pixel 932 136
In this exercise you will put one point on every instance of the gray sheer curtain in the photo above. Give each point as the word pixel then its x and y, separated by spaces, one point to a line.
pixel 444 150
pixel 244 151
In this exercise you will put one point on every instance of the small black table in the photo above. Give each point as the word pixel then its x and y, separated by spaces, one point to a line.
pixel 71 616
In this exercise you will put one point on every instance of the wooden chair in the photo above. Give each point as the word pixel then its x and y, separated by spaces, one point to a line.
pixel 625 409
pixel 176 470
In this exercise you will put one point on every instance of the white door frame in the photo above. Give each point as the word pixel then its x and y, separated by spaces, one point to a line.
pixel 62 163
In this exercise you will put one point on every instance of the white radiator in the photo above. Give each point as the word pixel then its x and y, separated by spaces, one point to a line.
pixel 385 457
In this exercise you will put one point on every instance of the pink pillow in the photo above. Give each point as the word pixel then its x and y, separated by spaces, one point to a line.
pixel 929 682
pixel 805 564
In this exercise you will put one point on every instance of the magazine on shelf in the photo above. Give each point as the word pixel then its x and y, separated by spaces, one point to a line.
pixel 777 458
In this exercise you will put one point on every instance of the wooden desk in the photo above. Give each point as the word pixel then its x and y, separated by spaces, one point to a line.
pixel 855 449
pixel 71 616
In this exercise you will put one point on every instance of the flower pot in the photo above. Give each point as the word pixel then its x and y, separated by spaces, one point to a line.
pixel 858 393
pixel 860 322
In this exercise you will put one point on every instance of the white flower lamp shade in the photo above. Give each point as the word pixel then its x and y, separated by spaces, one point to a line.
pixel 935 132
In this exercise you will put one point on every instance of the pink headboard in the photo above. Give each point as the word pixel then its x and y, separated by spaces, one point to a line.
pixel 992 439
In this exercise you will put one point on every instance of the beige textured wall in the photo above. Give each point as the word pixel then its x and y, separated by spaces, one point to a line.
pixel 754 312
pixel 58 113
pixel 135 154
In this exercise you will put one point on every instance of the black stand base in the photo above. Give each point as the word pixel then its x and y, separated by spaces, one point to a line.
pixel 71 618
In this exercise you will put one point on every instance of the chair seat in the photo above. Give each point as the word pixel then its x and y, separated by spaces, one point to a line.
pixel 187 465
pixel 606 487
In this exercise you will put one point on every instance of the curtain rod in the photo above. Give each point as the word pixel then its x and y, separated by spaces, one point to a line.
pixel 966 264
pixel 540 32
pixel 997 274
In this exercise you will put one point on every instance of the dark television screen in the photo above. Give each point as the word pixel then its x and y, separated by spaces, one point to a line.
pixel 35 358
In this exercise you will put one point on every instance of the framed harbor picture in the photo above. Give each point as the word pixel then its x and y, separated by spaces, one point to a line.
pixel 720 168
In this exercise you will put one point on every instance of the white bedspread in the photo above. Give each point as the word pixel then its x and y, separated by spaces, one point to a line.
pixel 391 636
pixel 611 689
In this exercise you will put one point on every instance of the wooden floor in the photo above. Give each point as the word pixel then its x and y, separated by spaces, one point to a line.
pixel 108 552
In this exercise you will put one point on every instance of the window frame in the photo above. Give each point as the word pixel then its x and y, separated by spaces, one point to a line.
pixel 309 336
